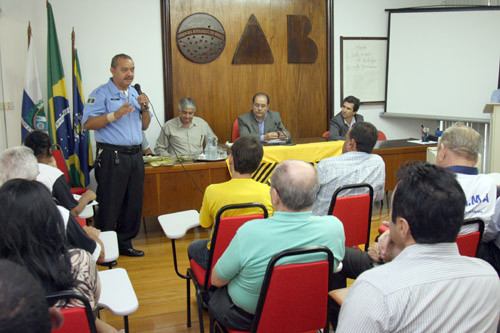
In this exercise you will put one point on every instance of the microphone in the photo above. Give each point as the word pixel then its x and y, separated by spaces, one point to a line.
pixel 137 87
pixel 280 128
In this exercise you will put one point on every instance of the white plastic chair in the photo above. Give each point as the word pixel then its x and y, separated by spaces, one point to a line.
pixel 117 294
pixel 110 241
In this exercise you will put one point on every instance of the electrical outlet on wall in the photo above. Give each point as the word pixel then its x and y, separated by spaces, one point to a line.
pixel 6 105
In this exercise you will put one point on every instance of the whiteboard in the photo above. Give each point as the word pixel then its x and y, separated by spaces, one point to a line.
pixel 443 64
pixel 363 68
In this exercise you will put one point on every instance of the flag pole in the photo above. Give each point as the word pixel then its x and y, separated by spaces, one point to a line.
pixel 29 33
pixel 73 64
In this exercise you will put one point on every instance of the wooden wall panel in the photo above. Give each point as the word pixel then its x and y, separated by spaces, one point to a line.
pixel 223 91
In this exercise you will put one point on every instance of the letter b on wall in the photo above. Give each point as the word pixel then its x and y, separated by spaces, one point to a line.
pixel 301 49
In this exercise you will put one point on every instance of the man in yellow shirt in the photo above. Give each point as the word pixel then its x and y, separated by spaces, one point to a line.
pixel 246 155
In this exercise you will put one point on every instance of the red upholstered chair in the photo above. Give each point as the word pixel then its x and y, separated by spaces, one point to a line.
pixel 61 165
pixel 326 134
pixel 224 230
pixel 355 212
pixel 467 244
pixel 235 131
pixel 82 222
pixel 76 319
pixel 381 136
pixel 294 296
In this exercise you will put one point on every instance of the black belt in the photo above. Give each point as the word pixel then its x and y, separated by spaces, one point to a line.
pixel 122 149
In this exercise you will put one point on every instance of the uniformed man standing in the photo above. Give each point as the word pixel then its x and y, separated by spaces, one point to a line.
pixel 118 114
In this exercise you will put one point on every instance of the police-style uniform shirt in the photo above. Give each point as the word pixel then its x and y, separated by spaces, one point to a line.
pixel 107 98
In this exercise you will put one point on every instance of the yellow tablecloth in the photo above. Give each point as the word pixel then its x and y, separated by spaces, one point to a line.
pixel 309 152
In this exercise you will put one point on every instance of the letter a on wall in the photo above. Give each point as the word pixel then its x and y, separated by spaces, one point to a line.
pixel 301 49
pixel 253 47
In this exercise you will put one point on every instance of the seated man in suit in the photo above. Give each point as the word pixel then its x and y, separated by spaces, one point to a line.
pixel 356 165
pixel 245 157
pixel 239 273
pixel 183 135
pixel 429 286
pixel 20 162
pixel 344 120
pixel 262 123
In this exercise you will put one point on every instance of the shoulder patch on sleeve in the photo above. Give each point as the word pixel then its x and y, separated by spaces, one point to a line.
pixel 91 100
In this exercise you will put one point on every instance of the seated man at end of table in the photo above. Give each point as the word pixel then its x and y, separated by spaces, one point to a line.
pixel 356 165
pixel 262 123
pixel 428 286
pixel 239 273
pixel 345 119
pixel 245 157
pixel 183 135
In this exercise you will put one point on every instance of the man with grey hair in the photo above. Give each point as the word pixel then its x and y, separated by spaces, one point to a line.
pixel 18 162
pixel 239 273
pixel 183 135
pixel 458 151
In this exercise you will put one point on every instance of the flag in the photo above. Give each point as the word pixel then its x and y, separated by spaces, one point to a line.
pixel 59 115
pixel 83 148
pixel 33 113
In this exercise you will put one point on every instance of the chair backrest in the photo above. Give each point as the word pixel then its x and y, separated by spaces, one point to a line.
pixel 77 319
pixel 81 221
pixel 381 136
pixel 224 230
pixel 326 134
pixel 355 213
pixel 61 164
pixel 294 297
pixel 468 244
pixel 235 131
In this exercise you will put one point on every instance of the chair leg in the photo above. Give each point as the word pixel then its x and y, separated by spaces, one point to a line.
pixel 125 322
pixel 199 299
pixel 188 297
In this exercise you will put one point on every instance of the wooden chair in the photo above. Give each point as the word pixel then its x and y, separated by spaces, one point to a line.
pixel 175 226
pixel 77 319
pixel 294 296
pixel 355 212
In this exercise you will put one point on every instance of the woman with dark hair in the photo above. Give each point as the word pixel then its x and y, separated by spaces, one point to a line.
pixel 32 235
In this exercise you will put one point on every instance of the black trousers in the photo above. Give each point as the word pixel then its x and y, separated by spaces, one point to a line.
pixel 120 179
pixel 222 309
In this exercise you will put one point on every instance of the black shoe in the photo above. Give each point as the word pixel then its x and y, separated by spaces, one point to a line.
pixel 131 252
pixel 108 264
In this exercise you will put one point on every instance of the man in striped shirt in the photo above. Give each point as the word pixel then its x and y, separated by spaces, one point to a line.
pixel 428 287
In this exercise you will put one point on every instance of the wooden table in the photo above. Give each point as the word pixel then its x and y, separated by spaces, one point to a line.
pixel 169 189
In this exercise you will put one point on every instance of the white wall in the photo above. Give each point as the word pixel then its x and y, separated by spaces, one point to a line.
pixel 102 28
pixel 105 28
pixel 368 18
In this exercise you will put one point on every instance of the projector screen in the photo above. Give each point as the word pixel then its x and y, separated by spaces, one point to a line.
pixel 442 63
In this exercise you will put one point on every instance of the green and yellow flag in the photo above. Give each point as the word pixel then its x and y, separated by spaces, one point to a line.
pixel 59 115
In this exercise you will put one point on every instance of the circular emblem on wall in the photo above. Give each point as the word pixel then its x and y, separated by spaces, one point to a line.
pixel 201 38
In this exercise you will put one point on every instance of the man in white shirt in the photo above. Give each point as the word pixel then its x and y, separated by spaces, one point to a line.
pixel 428 287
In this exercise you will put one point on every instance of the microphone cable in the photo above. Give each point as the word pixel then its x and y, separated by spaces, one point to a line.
pixel 176 155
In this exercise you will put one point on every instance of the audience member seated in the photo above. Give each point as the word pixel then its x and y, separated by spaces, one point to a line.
pixel 32 235
pixel 489 249
pixel 345 119
pixel 183 135
pixel 428 287
pixel 239 273
pixel 52 177
pixel 262 123
pixel 23 307
pixel 20 162
pixel 245 157
pixel 356 165
pixel 458 151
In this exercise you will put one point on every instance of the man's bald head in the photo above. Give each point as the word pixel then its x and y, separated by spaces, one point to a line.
pixel 296 183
